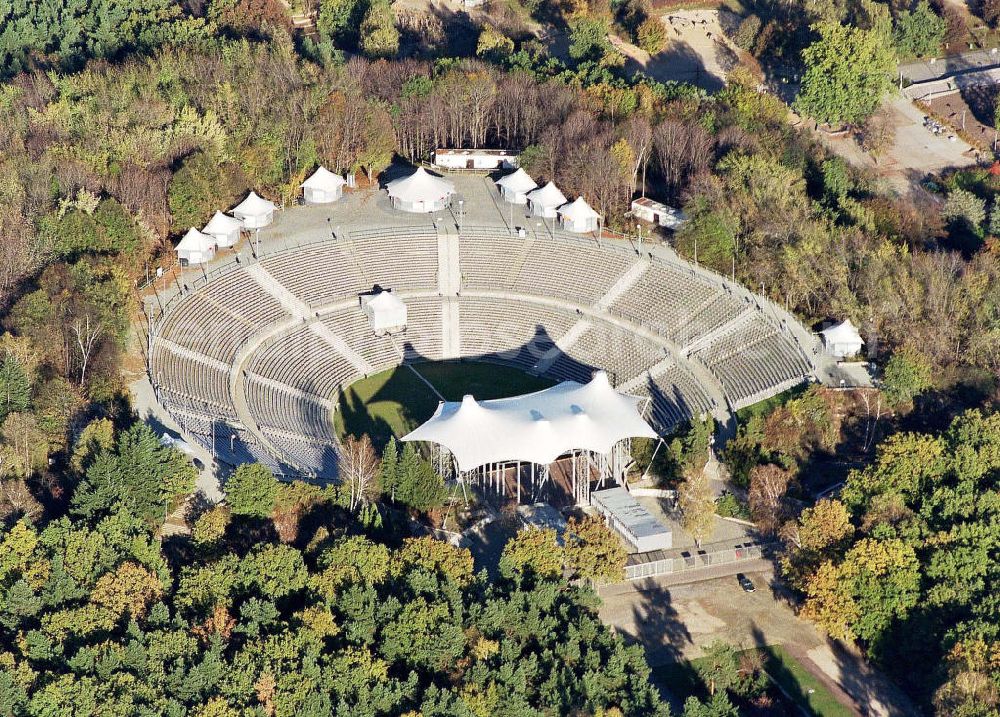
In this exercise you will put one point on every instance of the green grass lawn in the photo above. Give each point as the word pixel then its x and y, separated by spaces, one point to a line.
pixel 763 408
pixel 392 402
pixel 396 401
pixel 681 680
pixel 485 381
pixel 797 682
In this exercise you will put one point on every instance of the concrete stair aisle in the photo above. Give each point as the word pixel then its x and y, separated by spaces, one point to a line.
pixel 303 21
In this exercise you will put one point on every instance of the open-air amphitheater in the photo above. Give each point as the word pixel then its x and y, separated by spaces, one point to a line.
pixel 249 354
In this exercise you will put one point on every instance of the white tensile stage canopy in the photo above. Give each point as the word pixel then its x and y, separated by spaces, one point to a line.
pixel 538 428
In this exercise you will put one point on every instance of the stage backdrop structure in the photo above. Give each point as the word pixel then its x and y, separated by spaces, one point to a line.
pixel 592 424
pixel 420 193
pixel 225 229
pixel 255 212
pixel 323 187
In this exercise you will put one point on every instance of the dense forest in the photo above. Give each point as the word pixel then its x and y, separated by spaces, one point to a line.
pixel 124 123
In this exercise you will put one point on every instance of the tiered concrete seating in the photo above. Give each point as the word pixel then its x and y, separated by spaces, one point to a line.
pixel 304 361
pixel 352 325
pixel 318 274
pixel 674 301
pixel 274 408
pixel 315 457
pixel 575 270
pixel 621 353
pixel 515 332
pixel 676 397
pixel 401 260
pixel 422 338
pixel 486 258
pixel 195 379
pixel 754 359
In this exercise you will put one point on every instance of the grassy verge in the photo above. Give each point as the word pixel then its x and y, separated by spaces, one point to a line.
pixel 797 686
pixel 763 408
pixel 804 689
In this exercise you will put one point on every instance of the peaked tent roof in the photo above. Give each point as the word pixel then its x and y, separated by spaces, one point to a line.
pixel 519 181
pixel 579 211
pixel 194 240
pixel 548 196
pixel 421 186
pixel 842 333
pixel 385 300
pixel 537 427
pixel 324 180
pixel 254 206
pixel 222 224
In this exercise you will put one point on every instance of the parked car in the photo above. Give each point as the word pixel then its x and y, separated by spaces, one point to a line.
pixel 745 583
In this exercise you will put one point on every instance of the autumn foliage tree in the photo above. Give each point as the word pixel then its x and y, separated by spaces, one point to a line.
pixel 592 551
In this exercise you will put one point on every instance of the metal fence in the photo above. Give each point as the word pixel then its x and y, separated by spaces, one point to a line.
pixel 647 565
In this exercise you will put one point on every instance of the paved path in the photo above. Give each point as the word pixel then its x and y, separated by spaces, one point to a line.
pixel 149 410
pixel 924 70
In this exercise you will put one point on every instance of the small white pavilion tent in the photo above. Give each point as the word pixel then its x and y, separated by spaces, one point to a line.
pixel 323 187
pixel 537 427
pixel 842 340
pixel 195 248
pixel 514 187
pixel 579 217
pixel 545 201
pixel 420 192
pixel 255 212
pixel 224 228
pixel 385 311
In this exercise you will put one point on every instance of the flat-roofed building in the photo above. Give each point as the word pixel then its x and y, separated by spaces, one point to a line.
pixel 485 159
pixel 631 521
pixel 649 210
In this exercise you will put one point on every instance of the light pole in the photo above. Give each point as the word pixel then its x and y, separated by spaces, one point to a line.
pixel 461 214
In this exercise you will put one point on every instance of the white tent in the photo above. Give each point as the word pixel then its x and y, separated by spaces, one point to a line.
pixel 546 200
pixel 195 248
pixel 842 340
pixel 224 228
pixel 255 212
pixel 323 187
pixel 421 192
pixel 514 187
pixel 537 427
pixel 385 311
pixel 579 217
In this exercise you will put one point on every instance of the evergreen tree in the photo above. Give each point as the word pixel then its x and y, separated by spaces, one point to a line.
pixel 15 387
pixel 252 490
pixel 140 475
pixel 389 476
